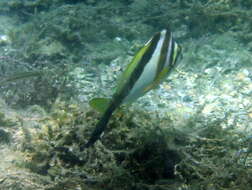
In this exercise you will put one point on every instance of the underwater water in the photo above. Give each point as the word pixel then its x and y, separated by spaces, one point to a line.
pixel 68 70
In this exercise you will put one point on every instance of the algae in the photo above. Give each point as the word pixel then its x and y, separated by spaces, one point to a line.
pixel 144 153
pixel 4 136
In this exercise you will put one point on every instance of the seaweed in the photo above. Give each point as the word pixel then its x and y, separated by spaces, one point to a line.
pixel 5 137
pixel 145 152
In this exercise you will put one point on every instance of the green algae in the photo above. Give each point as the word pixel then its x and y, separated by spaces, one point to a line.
pixel 62 32
pixel 4 137
pixel 86 22
pixel 7 119
pixel 145 152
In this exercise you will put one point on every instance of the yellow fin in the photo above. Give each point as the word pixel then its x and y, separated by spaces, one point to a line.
pixel 100 104
pixel 132 66
pixel 161 76
pixel 148 88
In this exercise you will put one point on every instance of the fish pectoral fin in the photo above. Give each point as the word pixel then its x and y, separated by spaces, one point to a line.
pixel 148 88
pixel 151 86
pixel 100 104
pixel 161 76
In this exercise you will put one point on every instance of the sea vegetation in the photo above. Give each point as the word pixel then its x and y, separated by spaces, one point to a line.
pixel 139 151
pixel 4 136
pixel 63 32
pixel 62 29
pixel 22 87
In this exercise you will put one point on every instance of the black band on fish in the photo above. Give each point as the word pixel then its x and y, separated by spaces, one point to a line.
pixel 150 65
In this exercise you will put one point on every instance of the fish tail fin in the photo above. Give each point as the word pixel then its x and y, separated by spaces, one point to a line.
pixel 100 127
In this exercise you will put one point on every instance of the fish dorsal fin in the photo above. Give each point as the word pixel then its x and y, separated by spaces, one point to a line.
pixel 132 66
pixel 100 104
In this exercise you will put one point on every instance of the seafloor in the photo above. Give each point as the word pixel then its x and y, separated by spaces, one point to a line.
pixel 192 133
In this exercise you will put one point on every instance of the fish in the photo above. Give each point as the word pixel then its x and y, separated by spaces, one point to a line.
pixel 20 75
pixel 149 67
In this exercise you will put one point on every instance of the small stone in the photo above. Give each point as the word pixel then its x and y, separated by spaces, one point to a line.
pixel 209 108
pixel 4 39
pixel 240 76
pixel 118 39
pixel 187 99
pixel 250 114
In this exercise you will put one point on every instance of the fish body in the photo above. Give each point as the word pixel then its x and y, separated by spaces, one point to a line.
pixel 149 67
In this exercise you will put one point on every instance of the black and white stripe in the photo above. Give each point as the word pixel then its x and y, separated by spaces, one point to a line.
pixel 158 56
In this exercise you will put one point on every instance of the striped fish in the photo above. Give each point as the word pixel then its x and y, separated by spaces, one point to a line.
pixel 149 67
